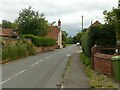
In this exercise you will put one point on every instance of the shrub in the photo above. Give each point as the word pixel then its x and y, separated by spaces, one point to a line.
pixel 41 41
pixel 64 43
pixel 16 51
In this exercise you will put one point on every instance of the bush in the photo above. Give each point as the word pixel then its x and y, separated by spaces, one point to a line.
pixel 64 43
pixel 86 44
pixel 16 51
pixel 41 41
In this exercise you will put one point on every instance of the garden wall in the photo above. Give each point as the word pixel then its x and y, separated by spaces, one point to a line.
pixel 44 49
pixel 103 64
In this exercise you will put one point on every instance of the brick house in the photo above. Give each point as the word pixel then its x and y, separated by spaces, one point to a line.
pixel 54 32
pixel 8 32
pixel 8 35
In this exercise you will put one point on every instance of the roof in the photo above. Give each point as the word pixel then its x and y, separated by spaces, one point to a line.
pixel 96 23
pixel 6 32
pixel 53 32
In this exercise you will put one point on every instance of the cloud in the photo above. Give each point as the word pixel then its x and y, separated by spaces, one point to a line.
pixel 69 11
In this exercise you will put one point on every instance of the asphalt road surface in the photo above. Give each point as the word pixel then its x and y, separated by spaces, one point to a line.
pixel 39 71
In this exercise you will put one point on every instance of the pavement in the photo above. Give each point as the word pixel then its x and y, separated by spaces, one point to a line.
pixel 75 76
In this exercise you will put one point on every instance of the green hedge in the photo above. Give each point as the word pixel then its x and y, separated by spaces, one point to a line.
pixel 41 41
pixel 86 44
pixel 103 35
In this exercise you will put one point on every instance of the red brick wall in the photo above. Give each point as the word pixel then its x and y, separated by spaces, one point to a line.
pixel 102 63
pixel 44 49
pixel 53 32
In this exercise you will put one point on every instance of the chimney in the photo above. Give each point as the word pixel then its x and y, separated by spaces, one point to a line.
pixel 91 23
pixel 59 23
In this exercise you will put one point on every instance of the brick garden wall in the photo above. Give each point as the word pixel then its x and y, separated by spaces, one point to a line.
pixel 44 49
pixel 103 64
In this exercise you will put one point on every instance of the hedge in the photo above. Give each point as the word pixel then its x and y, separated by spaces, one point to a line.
pixel 103 35
pixel 41 41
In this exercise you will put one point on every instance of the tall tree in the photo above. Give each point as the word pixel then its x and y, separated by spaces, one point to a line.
pixel 32 22
pixel 113 18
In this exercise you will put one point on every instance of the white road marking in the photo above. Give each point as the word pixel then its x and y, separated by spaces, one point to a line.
pixel 36 63
pixel 47 57
pixel 12 77
pixel 68 55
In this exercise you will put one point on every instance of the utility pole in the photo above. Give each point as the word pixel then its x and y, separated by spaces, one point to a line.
pixel 82 22
pixel 118 4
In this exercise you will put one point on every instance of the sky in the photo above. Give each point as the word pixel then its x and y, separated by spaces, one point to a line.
pixel 68 11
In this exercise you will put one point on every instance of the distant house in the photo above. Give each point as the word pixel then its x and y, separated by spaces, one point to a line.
pixel 8 35
pixel 54 32
pixel 8 32
pixel 96 23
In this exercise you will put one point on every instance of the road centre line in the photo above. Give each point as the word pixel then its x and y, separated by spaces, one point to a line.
pixel 36 63
pixel 12 76
pixel 48 57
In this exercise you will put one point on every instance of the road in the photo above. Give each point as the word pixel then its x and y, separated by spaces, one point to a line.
pixel 38 71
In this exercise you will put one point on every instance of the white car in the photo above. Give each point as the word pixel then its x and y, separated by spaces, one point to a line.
pixel 78 44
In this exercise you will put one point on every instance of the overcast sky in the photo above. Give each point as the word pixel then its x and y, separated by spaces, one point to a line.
pixel 68 11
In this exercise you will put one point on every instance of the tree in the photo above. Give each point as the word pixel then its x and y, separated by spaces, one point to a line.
pixel 70 40
pixel 113 18
pixel 64 36
pixel 77 38
pixel 31 22
pixel 6 24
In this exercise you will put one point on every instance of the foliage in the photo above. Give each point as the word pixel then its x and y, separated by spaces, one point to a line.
pixel 16 51
pixel 69 40
pixel 64 43
pixel 64 38
pixel 100 35
pixel 86 61
pixel 41 41
pixel 31 22
pixel 113 18
pixel 6 24
pixel 77 38
pixel 86 44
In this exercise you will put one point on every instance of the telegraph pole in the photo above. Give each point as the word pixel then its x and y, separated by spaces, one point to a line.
pixel 118 4
pixel 82 22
